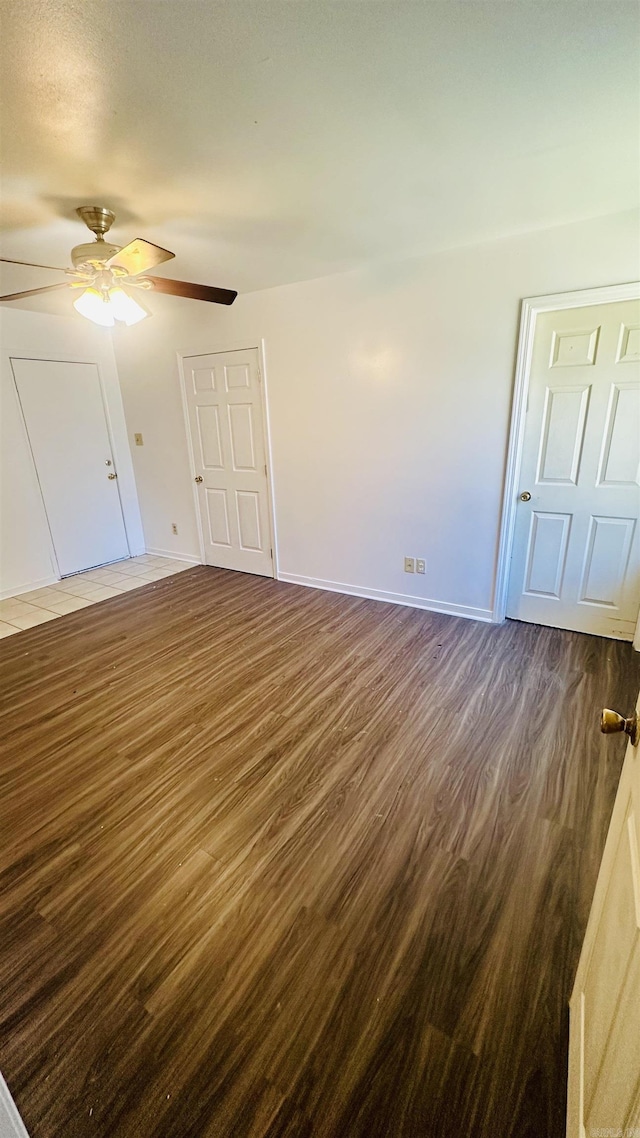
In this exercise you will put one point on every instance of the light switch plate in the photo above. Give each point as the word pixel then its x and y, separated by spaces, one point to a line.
pixel 138 439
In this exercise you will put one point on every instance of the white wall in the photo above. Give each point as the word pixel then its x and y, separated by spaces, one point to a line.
pixel 25 543
pixel 389 397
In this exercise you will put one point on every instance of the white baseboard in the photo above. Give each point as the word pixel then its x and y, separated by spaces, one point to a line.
pixel 175 556
pixel 429 605
pixel 11 1124
pixel 41 583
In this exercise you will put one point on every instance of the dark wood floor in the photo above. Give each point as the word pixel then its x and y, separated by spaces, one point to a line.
pixel 278 862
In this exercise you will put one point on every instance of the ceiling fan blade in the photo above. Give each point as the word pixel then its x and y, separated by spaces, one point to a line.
pixel 33 291
pixel 31 265
pixel 194 291
pixel 138 256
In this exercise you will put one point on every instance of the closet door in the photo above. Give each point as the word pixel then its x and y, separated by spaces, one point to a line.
pixel 65 419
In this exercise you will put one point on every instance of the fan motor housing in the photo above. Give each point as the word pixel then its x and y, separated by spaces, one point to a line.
pixel 93 254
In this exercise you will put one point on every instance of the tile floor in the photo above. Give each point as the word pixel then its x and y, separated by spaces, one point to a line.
pixel 84 589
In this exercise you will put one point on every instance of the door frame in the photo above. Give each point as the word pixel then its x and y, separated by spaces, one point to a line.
pixel 234 346
pixel 50 358
pixel 531 308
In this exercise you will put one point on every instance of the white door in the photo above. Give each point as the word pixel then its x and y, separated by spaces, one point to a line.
pixel 604 1041
pixel 65 419
pixel 576 560
pixel 226 422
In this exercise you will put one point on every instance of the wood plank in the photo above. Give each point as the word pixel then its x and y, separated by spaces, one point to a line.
pixel 277 862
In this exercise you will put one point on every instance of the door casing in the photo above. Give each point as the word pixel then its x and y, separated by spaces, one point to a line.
pixel 532 307
pixel 234 346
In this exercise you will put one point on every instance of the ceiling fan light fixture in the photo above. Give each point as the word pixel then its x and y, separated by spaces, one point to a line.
pixel 125 308
pixel 94 304
pixel 104 306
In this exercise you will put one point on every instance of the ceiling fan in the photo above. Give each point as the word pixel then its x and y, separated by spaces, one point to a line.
pixel 105 273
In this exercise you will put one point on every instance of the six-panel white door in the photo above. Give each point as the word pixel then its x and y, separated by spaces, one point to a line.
pixel 67 428
pixel 226 423
pixel 576 558
pixel 604 1042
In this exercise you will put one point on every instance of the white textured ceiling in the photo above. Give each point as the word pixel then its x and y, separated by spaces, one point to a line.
pixel 271 142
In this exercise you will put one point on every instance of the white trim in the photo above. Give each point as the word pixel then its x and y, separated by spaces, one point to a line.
pixel 447 607
pixel 17 590
pixel 173 555
pixel 9 1115
pixel 262 358
pixel 236 346
pixel 181 356
pixel 532 307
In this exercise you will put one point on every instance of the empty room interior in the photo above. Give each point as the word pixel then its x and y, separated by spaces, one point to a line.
pixel 320 569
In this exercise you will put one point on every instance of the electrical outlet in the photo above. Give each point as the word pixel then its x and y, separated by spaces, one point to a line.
pixel 409 565
pixel 174 529
pixel 138 439
pixel 420 565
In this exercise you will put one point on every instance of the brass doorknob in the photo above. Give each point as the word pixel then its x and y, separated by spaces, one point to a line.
pixel 611 722
pixel 112 476
pixel 525 496
pixel 198 478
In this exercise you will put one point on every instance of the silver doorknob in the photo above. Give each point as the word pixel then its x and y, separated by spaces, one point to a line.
pixel 525 496
pixel 108 462
pixel 198 478
pixel 112 476
pixel 611 722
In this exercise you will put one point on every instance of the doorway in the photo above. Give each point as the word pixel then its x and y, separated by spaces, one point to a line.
pixel 572 558
pixel 66 425
pixel 226 422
